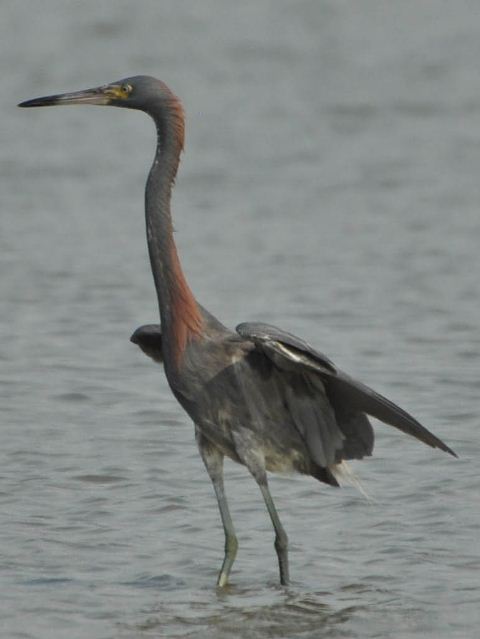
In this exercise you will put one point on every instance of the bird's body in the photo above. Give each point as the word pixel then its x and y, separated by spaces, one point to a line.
pixel 299 412
pixel 238 400
pixel 259 395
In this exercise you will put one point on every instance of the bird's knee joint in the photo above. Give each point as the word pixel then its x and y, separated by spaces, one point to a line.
pixel 231 545
pixel 281 542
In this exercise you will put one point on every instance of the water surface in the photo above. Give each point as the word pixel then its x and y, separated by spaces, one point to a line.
pixel 329 186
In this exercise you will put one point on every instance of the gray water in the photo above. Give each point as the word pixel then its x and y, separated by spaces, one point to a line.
pixel 330 185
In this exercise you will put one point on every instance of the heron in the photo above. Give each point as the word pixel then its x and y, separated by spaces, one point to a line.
pixel 257 395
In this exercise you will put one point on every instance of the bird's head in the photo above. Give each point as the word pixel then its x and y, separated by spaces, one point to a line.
pixel 140 92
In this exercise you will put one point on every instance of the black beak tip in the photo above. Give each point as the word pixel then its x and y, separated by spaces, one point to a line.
pixel 37 102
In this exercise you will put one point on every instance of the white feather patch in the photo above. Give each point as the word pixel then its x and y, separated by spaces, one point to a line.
pixel 288 352
pixel 345 476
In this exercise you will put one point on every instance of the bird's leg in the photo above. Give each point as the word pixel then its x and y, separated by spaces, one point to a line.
pixel 213 460
pixel 231 543
pixel 281 539
pixel 248 449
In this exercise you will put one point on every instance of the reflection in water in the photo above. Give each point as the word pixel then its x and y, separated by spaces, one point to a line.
pixel 356 610
pixel 237 612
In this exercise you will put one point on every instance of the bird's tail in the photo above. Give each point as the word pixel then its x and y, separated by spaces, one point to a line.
pixel 346 477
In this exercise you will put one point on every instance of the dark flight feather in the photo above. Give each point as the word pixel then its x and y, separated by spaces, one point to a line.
pixel 350 398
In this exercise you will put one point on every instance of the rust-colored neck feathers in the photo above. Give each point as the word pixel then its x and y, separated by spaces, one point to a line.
pixel 176 117
pixel 181 317
pixel 186 316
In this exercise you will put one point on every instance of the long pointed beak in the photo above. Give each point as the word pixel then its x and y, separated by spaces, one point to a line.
pixel 99 95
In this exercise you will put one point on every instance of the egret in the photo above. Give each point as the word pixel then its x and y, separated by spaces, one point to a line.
pixel 258 395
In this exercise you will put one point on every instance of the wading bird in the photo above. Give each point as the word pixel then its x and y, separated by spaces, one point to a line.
pixel 260 395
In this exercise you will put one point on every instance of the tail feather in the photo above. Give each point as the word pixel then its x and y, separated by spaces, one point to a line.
pixel 345 475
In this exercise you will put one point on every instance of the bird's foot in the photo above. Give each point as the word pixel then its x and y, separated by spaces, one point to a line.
pixel 222 580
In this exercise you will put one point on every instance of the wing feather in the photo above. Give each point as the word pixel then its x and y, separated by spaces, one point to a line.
pixel 349 399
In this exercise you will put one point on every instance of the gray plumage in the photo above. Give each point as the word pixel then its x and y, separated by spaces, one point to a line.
pixel 260 395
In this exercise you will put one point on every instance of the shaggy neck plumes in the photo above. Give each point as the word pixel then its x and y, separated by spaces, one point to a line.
pixel 180 315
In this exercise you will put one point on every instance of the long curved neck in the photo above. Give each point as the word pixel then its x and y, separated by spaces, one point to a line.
pixel 180 315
